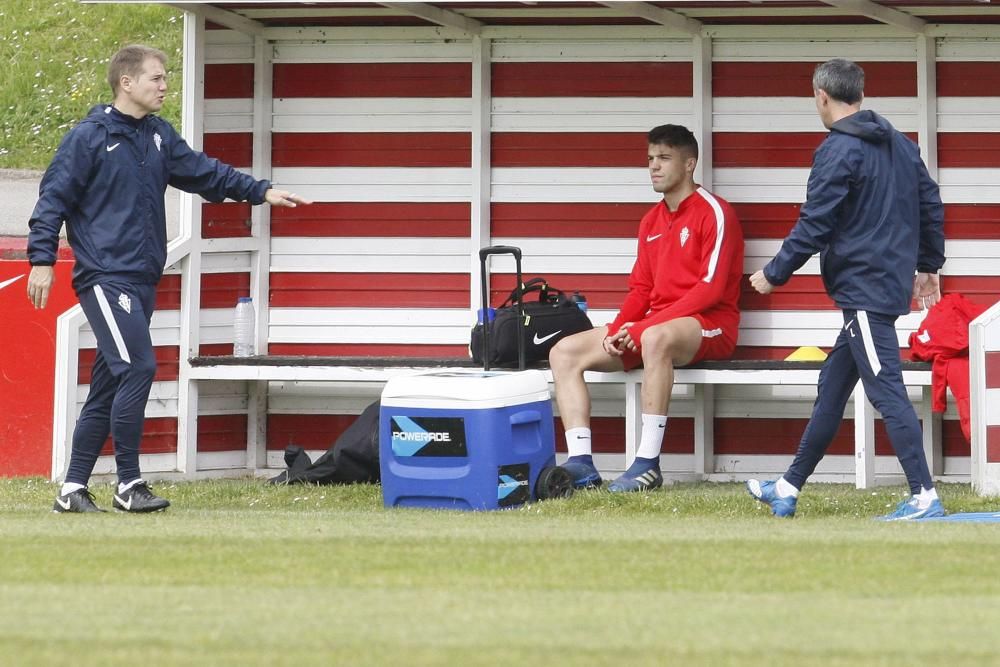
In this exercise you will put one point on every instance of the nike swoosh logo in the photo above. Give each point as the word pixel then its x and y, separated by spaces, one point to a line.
pixel 125 505
pixel 653 238
pixel 111 148
pixel 64 505
pixel 11 281
pixel 538 341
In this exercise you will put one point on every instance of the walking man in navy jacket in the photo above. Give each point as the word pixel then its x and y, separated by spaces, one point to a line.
pixel 876 218
pixel 106 182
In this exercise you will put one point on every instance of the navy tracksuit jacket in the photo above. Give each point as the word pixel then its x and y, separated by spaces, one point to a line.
pixel 875 216
pixel 107 182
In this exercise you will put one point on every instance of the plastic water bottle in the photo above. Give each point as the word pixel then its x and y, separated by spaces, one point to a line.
pixel 244 328
pixel 580 301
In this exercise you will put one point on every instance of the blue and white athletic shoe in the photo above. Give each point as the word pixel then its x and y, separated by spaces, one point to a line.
pixel 767 493
pixel 642 475
pixel 583 472
pixel 908 510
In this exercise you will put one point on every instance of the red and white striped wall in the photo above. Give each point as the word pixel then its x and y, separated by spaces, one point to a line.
pixel 417 151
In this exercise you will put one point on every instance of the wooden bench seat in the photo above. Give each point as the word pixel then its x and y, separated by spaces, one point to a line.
pixel 703 377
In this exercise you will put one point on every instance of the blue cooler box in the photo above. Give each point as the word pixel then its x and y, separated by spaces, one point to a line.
pixel 470 440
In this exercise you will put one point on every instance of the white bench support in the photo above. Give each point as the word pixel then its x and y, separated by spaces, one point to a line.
pixel 704 429
pixel 864 439
pixel 256 425
pixel 930 425
pixel 633 407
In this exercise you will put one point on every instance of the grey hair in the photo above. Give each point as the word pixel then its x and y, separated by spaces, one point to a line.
pixel 841 79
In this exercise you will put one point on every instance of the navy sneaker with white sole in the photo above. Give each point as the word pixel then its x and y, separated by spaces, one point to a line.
pixel 767 493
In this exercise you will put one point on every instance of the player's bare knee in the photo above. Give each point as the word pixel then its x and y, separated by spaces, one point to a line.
pixel 561 357
pixel 655 343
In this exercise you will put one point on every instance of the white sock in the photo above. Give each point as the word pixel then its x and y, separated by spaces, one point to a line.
pixel 653 428
pixel 785 489
pixel 578 441
pixel 926 497
pixel 122 488
pixel 70 487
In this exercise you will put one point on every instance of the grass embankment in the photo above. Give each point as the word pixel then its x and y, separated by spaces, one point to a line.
pixel 53 67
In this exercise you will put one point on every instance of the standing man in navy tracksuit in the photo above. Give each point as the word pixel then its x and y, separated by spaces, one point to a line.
pixel 107 182
pixel 875 216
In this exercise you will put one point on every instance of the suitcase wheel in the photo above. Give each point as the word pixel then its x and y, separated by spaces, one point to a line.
pixel 553 482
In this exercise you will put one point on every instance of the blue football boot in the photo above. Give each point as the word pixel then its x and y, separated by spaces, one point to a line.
pixel 767 493
pixel 909 510
pixel 583 472
pixel 642 475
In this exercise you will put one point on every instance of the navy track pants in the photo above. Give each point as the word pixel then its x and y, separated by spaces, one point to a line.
pixel 867 348
pixel 122 376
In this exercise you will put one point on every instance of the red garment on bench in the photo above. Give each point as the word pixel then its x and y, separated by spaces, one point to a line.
pixel 943 339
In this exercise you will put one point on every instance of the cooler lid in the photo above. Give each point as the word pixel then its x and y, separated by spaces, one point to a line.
pixel 467 385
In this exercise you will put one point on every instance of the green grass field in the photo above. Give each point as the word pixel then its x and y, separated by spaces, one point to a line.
pixel 242 573
pixel 53 64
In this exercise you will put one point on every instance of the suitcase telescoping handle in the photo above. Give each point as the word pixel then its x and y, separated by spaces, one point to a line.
pixel 484 254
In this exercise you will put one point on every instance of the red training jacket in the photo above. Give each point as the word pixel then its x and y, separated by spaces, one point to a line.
pixel 689 262
pixel 943 338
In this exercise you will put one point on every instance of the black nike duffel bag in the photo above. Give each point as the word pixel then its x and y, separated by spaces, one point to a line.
pixel 552 317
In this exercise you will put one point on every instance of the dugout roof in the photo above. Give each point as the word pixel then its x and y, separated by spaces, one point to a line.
pixel 688 16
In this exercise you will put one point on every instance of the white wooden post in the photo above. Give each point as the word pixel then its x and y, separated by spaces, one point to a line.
pixel 192 127
pixel 704 430
pixel 984 383
pixel 67 378
pixel 633 415
pixel 864 439
pixel 702 104
pixel 930 424
pixel 927 102
pixel 482 104
pixel 260 256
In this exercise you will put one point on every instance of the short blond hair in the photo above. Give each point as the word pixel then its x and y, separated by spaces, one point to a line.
pixel 128 61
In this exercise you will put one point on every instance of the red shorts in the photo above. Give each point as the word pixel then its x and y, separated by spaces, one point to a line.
pixel 717 342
